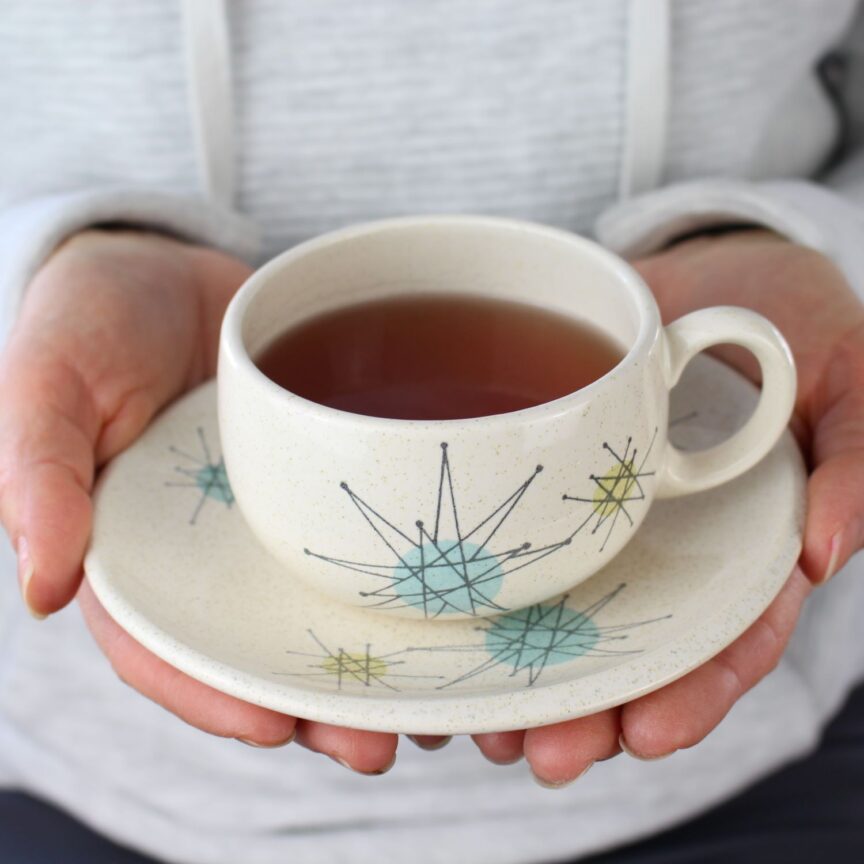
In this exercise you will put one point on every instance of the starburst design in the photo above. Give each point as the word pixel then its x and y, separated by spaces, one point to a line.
pixel 546 634
pixel 614 490
pixel 204 474
pixel 356 668
pixel 448 569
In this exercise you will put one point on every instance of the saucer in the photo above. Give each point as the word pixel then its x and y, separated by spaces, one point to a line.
pixel 173 562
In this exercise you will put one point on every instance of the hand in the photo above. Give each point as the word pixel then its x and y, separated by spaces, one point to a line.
pixel 114 327
pixel 823 321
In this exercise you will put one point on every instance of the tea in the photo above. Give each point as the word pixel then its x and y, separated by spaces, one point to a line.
pixel 438 357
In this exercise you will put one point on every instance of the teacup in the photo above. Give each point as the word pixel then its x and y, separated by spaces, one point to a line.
pixel 448 519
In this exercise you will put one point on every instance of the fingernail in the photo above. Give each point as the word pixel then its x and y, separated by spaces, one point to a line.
pixel 546 784
pixel 623 744
pixel 437 746
pixel 833 557
pixel 25 574
pixel 512 761
pixel 376 773
pixel 249 743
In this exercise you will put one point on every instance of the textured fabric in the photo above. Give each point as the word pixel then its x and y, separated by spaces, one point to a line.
pixel 772 823
pixel 346 112
pixel 641 226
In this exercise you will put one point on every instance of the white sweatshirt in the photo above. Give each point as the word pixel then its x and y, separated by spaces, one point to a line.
pixel 253 130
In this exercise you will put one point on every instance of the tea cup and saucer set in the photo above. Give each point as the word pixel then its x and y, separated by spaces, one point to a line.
pixel 469 575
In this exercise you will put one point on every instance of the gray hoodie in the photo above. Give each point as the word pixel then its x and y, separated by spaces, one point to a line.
pixel 254 129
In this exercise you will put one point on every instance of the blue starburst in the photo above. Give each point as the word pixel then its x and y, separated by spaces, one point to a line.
pixel 529 640
pixel 204 474
pixel 447 569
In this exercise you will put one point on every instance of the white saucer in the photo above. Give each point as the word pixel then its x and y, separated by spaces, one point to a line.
pixel 173 562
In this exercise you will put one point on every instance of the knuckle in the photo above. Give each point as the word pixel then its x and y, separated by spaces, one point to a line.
pixel 122 675
pixel 773 639
pixel 732 676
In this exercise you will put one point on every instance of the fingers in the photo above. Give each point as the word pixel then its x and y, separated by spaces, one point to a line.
pixel 563 752
pixel 835 515
pixel 46 472
pixel 835 494
pixel 502 748
pixel 360 751
pixel 219 714
pixel 196 703
pixel 112 327
pixel 431 742
pixel 684 712
pixel 677 716
pixel 52 523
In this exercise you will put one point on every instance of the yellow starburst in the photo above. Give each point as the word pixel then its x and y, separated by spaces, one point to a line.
pixel 359 665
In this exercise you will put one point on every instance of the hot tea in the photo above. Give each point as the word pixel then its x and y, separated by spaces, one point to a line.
pixel 438 357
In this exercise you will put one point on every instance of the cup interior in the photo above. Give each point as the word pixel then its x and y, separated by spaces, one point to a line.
pixel 492 258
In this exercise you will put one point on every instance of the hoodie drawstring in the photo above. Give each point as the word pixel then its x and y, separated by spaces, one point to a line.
pixel 208 64
pixel 646 99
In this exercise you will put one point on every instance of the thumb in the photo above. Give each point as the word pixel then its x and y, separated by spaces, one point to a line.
pixel 47 433
pixel 835 494
pixel 835 518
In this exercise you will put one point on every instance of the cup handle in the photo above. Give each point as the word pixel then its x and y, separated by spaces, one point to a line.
pixel 691 472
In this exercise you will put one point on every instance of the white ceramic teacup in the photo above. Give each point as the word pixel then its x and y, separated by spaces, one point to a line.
pixel 459 518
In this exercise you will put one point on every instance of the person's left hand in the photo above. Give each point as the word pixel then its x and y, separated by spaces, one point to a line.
pixel 811 303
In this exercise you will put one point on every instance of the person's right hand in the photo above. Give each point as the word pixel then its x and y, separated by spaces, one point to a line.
pixel 115 326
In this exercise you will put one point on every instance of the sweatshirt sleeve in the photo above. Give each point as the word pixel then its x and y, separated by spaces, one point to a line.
pixel 31 230
pixel 825 218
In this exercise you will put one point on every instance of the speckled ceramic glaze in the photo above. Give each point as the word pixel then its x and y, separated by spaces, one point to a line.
pixel 174 562
pixel 470 518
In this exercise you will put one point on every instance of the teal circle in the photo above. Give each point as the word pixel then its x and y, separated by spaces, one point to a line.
pixel 541 635
pixel 448 578
pixel 213 482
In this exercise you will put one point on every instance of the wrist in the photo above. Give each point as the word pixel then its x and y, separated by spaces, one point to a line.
pixel 119 239
pixel 734 232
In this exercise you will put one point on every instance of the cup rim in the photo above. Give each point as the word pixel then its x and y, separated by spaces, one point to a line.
pixel 231 345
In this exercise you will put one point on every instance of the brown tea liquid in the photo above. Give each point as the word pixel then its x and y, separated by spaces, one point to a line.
pixel 434 357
